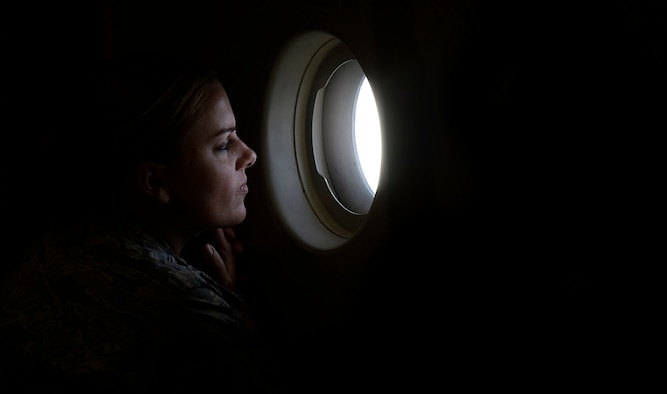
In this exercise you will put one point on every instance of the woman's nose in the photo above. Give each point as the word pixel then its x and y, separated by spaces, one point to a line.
pixel 251 157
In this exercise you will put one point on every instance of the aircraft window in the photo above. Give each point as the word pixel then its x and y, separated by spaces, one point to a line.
pixel 323 142
pixel 367 136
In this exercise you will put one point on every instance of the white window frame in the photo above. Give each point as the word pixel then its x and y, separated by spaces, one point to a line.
pixel 316 184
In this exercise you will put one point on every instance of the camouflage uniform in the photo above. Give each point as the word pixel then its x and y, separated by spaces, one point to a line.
pixel 106 309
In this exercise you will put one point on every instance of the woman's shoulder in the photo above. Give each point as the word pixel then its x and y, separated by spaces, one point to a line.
pixel 97 256
pixel 112 275
pixel 111 303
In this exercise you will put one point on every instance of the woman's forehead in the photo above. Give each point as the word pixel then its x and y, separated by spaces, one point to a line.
pixel 216 118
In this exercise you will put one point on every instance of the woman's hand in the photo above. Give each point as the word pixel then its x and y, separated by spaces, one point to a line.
pixel 215 253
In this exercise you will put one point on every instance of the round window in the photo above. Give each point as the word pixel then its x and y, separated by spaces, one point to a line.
pixel 323 144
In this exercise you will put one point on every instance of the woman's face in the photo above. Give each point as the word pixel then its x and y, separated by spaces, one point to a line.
pixel 208 186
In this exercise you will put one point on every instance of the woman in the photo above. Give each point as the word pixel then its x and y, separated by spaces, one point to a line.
pixel 134 288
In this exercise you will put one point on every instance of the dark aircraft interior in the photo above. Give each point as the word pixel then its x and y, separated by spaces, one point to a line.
pixel 512 231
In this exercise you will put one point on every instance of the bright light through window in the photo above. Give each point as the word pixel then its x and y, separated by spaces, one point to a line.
pixel 322 141
pixel 367 135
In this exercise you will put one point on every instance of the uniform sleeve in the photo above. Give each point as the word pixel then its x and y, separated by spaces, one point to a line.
pixel 103 323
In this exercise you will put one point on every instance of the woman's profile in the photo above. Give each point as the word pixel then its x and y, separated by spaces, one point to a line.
pixel 135 286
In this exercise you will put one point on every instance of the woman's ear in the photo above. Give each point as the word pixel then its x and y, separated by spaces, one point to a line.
pixel 151 179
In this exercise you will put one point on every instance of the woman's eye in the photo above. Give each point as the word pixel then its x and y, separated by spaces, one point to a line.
pixel 223 146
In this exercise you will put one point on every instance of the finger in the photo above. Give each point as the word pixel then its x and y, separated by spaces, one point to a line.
pixel 236 246
pixel 218 267
pixel 229 233
pixel 227 248
pixel 226 237
pixel 222 239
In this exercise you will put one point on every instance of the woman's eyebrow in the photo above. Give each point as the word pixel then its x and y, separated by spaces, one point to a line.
pixel 226 130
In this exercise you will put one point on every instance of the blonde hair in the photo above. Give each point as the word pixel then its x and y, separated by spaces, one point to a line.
pixel 136 109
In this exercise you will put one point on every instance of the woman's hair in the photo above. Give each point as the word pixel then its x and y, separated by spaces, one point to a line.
pixel 134 109
pixel 146 104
